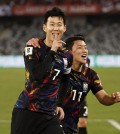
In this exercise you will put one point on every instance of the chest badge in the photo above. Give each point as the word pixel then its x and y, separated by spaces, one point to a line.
pixel 85 87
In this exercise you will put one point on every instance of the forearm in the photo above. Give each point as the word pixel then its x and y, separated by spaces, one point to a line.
pixel 107 100
pixel 104 98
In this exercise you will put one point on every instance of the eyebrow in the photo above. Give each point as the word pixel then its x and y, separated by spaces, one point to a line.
pixel 57 22
pixel 82 45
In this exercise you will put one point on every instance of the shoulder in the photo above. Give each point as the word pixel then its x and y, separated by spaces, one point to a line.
pixel 92 71
pixel 93 76
pixel 89 72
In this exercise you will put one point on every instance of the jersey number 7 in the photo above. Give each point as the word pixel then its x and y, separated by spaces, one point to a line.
pixel 57 72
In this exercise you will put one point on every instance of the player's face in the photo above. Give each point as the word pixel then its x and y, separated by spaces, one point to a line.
pixel 54 25
pixel 80 52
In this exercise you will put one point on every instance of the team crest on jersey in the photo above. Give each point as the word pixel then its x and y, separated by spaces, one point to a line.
pixel 85 87
pixel 28 51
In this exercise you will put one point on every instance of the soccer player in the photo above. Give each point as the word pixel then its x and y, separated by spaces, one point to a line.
pixel 82 122
pixel 35 111
pixel 82 80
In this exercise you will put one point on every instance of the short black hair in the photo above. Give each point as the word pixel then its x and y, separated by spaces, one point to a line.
pixel 55 11
pixel 70 40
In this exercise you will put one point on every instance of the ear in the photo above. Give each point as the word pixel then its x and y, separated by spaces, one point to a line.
pixel 44 27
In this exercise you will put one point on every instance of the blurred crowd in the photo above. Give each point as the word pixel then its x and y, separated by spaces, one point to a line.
pixel 34 2
pixel 7 6
pixel 102 32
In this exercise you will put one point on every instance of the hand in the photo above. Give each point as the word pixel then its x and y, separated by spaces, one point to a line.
pixel 34 42
pixel 60 112
pixel 57 44
pixel 116 97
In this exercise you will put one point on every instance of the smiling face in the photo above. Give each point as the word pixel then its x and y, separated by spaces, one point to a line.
pixel 80 52
pixel 54 25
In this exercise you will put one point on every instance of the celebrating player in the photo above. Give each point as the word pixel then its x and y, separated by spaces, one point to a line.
pixel 82 80
pixel 46 67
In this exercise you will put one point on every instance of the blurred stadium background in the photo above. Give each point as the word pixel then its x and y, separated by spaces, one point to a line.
pixel 98 20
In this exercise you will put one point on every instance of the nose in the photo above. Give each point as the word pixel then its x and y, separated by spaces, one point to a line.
pixel 55 27
pixel 85 50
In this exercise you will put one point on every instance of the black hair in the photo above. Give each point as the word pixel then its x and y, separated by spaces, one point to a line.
pixel 70 40
pixel 55 11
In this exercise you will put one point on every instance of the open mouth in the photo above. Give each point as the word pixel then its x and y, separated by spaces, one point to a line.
pixel 84 56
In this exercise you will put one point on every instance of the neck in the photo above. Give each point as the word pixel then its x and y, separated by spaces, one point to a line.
pixel 48 42
pixel 77 67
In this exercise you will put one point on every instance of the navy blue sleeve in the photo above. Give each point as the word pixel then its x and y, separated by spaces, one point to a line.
pixel 37 62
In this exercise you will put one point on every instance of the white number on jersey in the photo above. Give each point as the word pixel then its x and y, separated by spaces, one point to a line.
pixel 86 111
pixel 57 72
pixel 74 95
